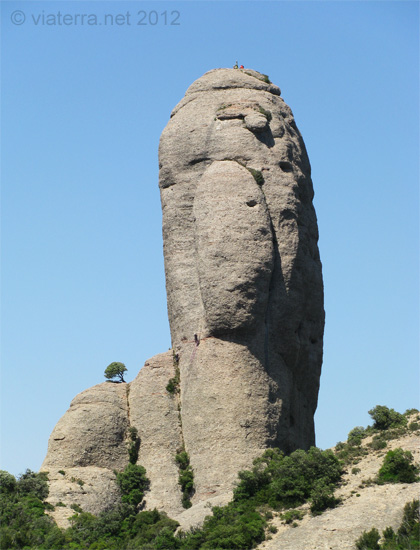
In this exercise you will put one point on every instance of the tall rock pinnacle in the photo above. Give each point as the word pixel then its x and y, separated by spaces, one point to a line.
pixel 242 270
pixel 245 304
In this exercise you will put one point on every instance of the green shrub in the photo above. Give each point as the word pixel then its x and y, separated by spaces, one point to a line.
pixel 409 530
pixel 350 454
pixel 398 468
pixel 394 433
pixel 173 384
pixel 356 435
pixel 367 483
pixel 266 113
pixel 389 534
pixel 34 484
pixel 414 426
pixel 62 472
pixel 291 515
pixel 77 480
pixel 186 478
pixel 377 443
pixel 355 471
pixel 8 482
pixel 133 445
pixel 322 497
pixel 288 481
pixel 235 526
pixel 369 540
pixel 257 175
pixel 263 77
pixel 132 483
pixel 385 418
pixel 409 412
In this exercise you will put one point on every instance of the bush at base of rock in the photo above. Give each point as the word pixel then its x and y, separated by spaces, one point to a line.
pixel 132 483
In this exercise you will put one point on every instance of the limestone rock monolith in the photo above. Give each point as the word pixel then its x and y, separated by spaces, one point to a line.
pixel 245 305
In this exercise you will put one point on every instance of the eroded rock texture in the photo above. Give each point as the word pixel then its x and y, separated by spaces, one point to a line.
pixel 91 441
pixel 242 272
pixel 245 303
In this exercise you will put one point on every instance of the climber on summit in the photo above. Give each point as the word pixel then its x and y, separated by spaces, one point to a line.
pixel 242 67
pixel 236 65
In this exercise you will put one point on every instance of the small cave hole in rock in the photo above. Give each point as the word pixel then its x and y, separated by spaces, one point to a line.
pixel 286 166
pixel 251 203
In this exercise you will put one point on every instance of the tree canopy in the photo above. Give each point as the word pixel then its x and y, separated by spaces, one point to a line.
pixel 115 370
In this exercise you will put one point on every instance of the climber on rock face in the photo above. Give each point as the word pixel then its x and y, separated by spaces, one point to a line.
pixel 196 340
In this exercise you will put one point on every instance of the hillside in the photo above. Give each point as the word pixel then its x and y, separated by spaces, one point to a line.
pixel 364 504
pixel 264 498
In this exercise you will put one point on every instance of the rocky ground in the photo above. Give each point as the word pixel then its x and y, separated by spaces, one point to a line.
pixel 364 505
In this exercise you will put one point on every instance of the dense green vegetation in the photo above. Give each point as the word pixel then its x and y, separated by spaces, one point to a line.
pixel 132 483
pixel 386 418
pixel 133 445
pixel 406 538
pixel 280 480
pixel 398 467
pixel 288 481
pixel 22 511
pixel 24 523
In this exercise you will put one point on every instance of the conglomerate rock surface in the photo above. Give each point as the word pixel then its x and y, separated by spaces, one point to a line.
pixel 245 304
pixel 243 273
pixel 91 441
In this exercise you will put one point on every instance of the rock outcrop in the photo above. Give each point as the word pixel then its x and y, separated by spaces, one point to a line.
pixel 91 441
pixel 245 305
pixel 242 273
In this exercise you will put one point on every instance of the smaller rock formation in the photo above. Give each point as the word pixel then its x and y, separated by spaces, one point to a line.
pixel 91 441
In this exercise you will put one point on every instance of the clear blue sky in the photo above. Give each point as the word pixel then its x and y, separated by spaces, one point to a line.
pixel 83 107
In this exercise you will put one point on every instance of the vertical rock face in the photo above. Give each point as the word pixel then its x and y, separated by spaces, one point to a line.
pixel 242 273
pixel 245 303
